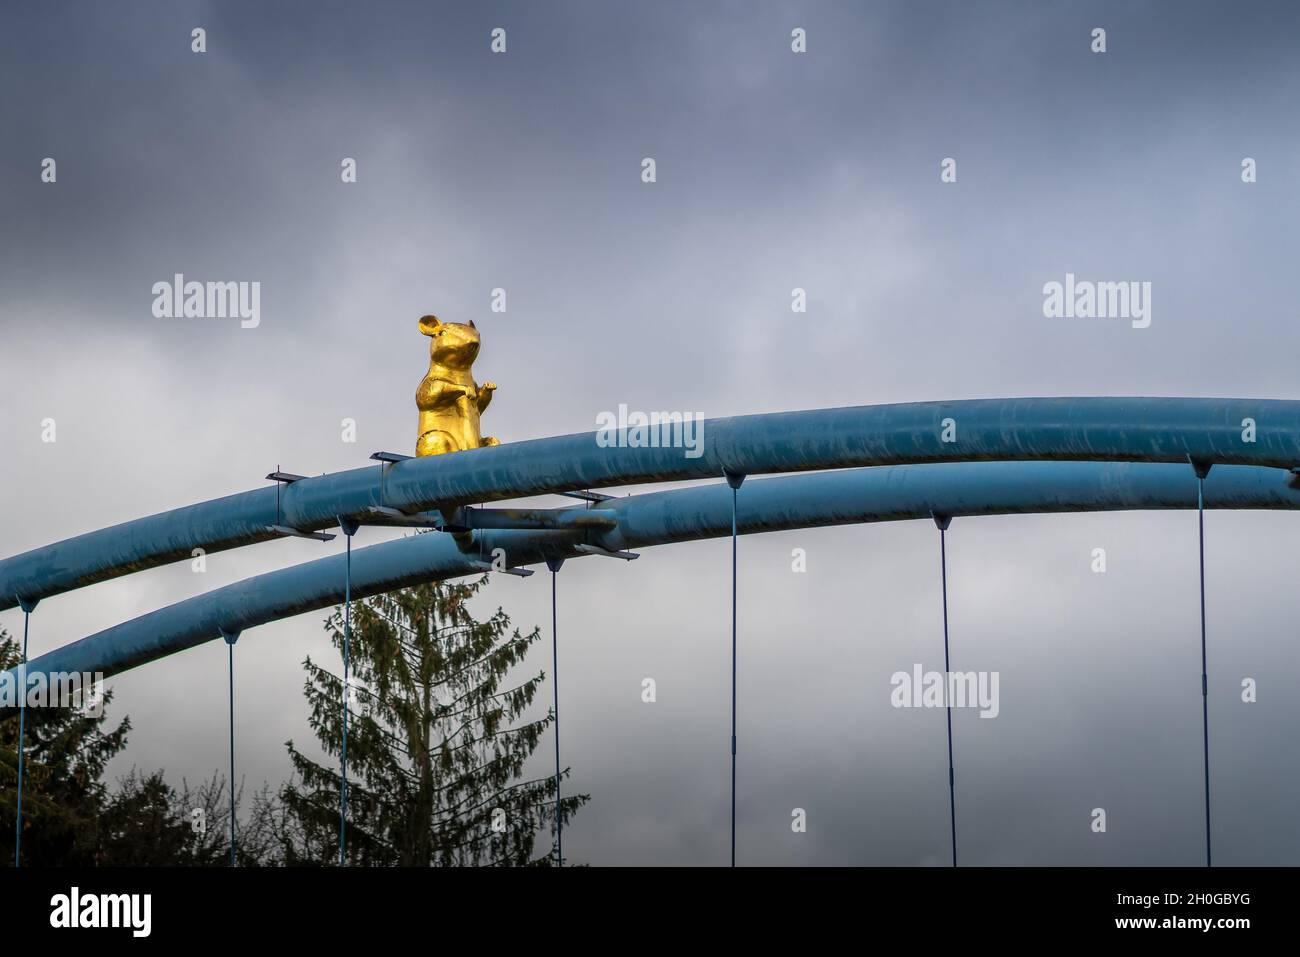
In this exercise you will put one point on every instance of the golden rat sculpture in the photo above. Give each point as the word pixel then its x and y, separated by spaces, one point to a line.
pixel 449 401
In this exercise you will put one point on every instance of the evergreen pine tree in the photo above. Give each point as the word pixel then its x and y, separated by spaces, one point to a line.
pixel 437 740
pixel 65 753
pixel 72 818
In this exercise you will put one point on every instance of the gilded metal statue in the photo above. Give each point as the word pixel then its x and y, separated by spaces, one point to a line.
pixel 449 401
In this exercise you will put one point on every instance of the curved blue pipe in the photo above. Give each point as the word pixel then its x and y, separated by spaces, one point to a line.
pixel 1083 429
pixel 832 498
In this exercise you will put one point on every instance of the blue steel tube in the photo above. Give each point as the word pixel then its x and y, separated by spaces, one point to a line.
pixel 678 515
pixel 1059 429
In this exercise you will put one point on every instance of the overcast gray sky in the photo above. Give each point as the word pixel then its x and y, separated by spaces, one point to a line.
pixel 775 170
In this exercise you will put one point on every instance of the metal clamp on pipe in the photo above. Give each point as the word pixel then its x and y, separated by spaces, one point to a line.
pixel 489 567
pixel 587 496
pixel 297 533
pixel 586 549
pixel 466 518
pixel 395 518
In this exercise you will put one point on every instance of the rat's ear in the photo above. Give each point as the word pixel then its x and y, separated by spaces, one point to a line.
pixel 471 324
pixel 429 325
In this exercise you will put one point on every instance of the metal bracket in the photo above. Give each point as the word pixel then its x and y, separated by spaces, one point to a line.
pixel 1200 467
pixel 396 517
pixel 1294 480
pixel 386 461
pixel 489 567
pixel 230 635
pixel 555 564
pixel 282 479
pixel 295 533
pixel 529 519
pixel 348 525
pixel 587 496
pixel 28 606
pixel 604 552
pixel 383 510
pixel 734 479
pixel 941 521
pixel 455 521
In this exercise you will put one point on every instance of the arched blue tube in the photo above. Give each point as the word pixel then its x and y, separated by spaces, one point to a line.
pixel 1059 429
pixel 678 515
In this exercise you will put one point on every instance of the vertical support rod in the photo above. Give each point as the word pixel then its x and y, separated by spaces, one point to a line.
pixel 348 530
pixel 554 566
pixel 943 521
pixel 231 637
pixel 22 735
pixel 733 677
pixel 1205 684
pixel 734 480
pixel 230 649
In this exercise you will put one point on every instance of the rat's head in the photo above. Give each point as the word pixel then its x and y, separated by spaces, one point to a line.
pixel 451 343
